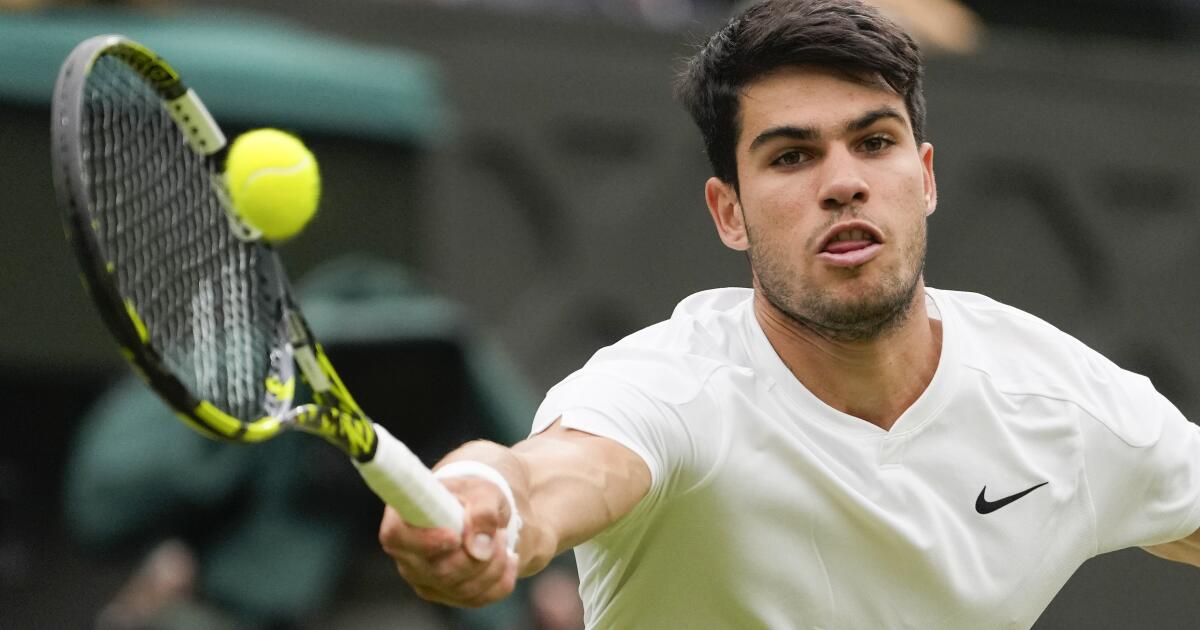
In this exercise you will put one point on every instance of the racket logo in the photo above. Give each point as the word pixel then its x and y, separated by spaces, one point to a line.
pixel 147 64
pixel 348 431
pixel 279 394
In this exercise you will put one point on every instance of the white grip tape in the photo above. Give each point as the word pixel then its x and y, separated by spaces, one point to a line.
pixel 403 482
pixel 471 468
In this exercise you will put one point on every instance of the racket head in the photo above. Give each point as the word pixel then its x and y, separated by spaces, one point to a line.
pixel 202 315
pixel 203 312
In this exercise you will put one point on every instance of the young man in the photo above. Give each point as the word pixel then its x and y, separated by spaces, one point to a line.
pixel 841 446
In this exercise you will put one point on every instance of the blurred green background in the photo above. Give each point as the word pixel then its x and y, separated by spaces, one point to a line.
pixel 525 161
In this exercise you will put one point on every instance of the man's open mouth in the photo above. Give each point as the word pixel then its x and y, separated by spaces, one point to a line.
pixel 851 245
pixel 849 240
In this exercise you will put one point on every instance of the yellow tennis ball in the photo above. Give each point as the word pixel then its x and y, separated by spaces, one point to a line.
pixel 273 182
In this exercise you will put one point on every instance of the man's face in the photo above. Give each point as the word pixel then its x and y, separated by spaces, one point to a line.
pixel 834 193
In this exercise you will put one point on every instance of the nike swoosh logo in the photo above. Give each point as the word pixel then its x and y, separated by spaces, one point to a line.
pixel 983 506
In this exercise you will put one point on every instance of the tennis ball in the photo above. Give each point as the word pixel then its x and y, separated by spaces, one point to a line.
pixel 273 182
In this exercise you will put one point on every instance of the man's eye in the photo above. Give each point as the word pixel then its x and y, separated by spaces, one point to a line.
pixel 791 158
pixel 876 144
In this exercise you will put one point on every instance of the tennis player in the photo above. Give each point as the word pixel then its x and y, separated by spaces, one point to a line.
pixel 839 446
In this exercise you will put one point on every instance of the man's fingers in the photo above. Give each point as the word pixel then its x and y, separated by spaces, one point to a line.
pixel 474 587
pixel 434 596
pixel 473 568
pixel 446 570
pixel 497 581
pixel 396 536
pixel 502 587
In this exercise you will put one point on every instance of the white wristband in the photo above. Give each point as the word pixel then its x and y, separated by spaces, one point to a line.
pixel 471 468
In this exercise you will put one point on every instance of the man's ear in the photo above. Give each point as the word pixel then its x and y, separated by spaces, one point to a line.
pixel 726 211
pixel 930 182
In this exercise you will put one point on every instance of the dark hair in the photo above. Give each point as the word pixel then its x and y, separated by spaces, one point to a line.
pixel 846 35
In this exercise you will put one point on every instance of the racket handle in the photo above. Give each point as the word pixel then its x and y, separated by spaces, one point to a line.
pixel 403 482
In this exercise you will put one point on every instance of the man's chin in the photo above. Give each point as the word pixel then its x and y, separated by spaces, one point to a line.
pixel 854 314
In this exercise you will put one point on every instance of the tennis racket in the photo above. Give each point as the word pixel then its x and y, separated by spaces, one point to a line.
pixel 203 311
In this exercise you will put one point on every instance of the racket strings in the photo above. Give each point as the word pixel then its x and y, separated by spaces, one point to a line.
pixel 206 299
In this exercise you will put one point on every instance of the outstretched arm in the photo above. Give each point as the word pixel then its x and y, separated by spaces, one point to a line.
pixel 568 486
pixel 1185 550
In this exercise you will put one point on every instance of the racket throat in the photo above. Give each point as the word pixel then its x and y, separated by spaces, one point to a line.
pixel 334 416
pixel 306 358
pixel 304 352
pixel 352 433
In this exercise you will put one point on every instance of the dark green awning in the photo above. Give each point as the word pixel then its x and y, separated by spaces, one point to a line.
pixel 251 70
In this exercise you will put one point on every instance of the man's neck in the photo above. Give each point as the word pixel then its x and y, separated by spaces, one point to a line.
pixel 875 379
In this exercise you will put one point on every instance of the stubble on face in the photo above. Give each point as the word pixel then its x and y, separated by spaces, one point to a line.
pixel 868 313
pixel 808 115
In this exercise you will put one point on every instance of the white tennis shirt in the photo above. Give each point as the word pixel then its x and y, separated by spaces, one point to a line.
pixel 770 509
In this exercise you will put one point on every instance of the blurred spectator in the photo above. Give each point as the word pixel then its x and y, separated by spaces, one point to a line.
pixel 554 599
pixel 937 25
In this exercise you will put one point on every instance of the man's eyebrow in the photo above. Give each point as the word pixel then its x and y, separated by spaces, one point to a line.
pixel 784 131
pixel 872 117
pixel 808 134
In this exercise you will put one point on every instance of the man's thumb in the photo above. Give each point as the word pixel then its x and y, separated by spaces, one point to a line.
pixel 480 546
pixel 480 532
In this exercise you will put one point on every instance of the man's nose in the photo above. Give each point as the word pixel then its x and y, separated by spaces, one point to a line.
pixel 842 184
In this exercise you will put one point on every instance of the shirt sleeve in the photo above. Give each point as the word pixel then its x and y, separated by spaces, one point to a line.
pixel 668 419
pixel 1142 466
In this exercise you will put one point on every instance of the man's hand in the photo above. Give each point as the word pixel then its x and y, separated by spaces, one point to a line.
pixel 471 570
pixel 567 486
